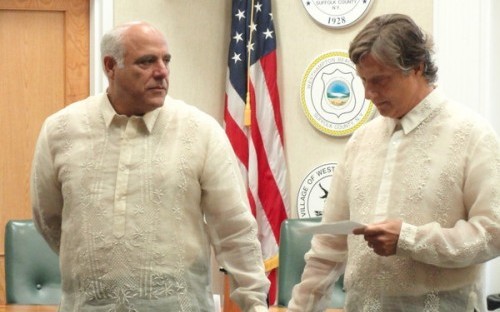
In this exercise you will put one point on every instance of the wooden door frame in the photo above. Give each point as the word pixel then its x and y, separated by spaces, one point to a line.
pixel 101 20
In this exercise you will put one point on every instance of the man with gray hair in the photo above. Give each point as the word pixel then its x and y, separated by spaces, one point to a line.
pixel 131 188
pixel 424 178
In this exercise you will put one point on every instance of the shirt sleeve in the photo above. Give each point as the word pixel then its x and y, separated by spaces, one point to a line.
pixel 474 239
pixel 46 196
pixel 231 226
pixel 325 262
pixel 315 289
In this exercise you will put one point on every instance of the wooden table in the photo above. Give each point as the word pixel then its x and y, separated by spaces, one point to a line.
pixel 39 308
pixel 280 309
pixel 27 308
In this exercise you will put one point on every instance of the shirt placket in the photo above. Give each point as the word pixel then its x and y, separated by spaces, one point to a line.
pixel 382 208
pixel 122 177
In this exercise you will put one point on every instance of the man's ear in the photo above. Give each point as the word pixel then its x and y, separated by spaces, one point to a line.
pixel 420 68
pixel 109 66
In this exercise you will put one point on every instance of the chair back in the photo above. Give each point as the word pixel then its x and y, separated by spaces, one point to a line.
pixel 32 273
pixel 293 245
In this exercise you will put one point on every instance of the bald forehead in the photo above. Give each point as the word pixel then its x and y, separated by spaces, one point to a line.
pixel 137 34
pixel 142 41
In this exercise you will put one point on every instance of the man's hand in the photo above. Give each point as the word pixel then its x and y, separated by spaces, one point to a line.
pixel 382 237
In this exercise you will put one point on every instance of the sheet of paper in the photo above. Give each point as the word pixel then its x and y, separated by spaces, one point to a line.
pixel 341 227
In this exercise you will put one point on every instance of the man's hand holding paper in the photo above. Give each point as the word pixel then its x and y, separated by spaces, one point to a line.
pixel 382 237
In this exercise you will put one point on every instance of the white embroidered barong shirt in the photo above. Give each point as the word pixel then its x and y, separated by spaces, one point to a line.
pixel 132 205
pixel 437 169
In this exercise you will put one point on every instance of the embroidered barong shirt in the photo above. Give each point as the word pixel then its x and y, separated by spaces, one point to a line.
pixel 437 169
pixel 132 205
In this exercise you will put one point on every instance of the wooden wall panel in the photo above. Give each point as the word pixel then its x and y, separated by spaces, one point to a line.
pixel 45 65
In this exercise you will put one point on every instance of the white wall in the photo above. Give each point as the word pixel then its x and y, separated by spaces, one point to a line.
pixel 493 79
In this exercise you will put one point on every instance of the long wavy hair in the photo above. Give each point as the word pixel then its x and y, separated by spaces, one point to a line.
pixel 396 41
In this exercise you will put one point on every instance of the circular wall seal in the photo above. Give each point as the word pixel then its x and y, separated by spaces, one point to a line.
pixel 314 190
pixel 337 13
pixel 333 96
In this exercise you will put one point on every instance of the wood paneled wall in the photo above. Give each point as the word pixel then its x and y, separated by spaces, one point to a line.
pixel 45 65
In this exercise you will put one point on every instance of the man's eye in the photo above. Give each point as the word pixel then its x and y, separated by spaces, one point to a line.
pixel 146 61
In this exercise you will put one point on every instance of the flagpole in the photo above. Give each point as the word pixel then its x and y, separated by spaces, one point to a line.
pixel 248 109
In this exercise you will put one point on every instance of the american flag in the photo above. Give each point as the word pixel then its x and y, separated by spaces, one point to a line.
pixel 253 124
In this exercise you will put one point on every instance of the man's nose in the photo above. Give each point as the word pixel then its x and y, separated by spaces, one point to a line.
pixel 161 69
pixel 369 92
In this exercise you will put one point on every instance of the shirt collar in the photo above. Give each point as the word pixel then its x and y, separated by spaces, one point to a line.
pixel 419 113
pixel 109 113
